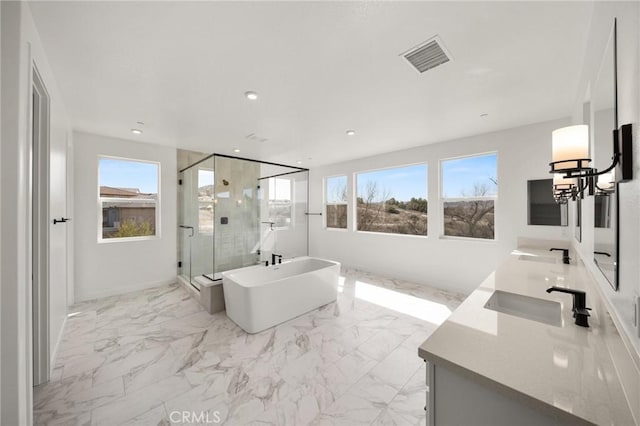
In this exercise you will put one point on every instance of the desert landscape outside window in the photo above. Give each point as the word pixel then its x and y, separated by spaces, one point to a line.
pixel 469 194
pixel 393 200
pixel 336 202
pixel 128 197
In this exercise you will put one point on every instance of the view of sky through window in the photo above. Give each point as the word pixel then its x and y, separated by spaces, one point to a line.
pixel 118 173
pixel 461 175
pixel 279 189
pixel 205 178
pixel 399 183
pixel 337 189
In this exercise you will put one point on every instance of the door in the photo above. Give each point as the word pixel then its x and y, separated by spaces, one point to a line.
pixel 40 229
pixel 58 235
pixel 50 227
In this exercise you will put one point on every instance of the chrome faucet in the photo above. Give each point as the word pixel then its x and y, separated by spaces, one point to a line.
pixel 274 257
pixel 580 310
pixel 565 254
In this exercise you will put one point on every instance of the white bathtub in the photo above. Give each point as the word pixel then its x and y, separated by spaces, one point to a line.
pixel 260 297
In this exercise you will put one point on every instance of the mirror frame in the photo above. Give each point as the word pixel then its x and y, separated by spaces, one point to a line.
pixel 615 194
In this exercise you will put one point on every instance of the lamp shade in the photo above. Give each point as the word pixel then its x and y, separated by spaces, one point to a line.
pixel 561 182
pixel 570 148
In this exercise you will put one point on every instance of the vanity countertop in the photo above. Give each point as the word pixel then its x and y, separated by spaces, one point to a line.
pixel 566 371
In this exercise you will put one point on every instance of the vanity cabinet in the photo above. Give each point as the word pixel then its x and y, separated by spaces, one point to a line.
pixel 489 367
pixel 453 399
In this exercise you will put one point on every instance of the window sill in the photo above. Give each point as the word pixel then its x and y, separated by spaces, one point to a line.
pixel 392 234
pixel 470 239
pixel 127 239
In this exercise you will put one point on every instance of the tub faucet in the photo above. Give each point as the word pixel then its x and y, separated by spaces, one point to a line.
pixel 273 258
pixel 565 254
pixel 580 310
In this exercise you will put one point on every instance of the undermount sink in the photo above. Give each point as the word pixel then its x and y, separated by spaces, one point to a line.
pixel 531 308
pixel 541 259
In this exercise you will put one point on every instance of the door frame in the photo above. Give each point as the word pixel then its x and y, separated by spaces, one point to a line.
pixel 40 137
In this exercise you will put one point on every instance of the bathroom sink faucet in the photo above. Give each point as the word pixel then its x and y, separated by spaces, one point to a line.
pixel 580 310
pixel 274 257
pixel 565 254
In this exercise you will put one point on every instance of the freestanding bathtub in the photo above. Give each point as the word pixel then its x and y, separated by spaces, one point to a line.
pixel 260 297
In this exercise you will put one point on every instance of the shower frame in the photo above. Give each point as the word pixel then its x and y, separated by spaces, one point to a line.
pixel 182 227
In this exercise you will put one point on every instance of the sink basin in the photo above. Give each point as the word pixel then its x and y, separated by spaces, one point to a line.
pixel 531 308
pixel 541 259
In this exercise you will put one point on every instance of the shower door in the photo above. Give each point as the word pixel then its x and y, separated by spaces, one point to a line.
pixel 196 226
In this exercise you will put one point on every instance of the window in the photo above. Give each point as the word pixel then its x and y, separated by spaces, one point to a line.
pixel 336 202
pixel 393 200
pixel 469 193
pixel 128 198
pixel 280 202
pixel 205 201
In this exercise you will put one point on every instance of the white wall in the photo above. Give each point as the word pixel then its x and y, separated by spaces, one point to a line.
pixel 20 48
pixel 0 210
pixel 453 264
pixel 628 15
pixel 103 269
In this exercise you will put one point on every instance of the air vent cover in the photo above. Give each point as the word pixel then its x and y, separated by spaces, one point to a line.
pixel 427 55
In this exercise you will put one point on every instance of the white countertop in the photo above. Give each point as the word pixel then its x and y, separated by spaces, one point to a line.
pixel 566 371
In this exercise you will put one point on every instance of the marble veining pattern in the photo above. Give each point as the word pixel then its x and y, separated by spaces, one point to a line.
pixel 146 358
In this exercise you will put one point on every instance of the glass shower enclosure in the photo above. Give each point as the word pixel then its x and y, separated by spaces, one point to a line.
pixel 237 212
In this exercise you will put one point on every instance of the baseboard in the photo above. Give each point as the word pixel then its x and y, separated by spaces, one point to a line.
pixel 116 291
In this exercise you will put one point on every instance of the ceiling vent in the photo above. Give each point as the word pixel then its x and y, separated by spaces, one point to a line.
pixel 427 55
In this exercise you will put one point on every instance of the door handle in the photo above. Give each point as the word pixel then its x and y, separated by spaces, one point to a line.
pixel 61 220
pixel 188 227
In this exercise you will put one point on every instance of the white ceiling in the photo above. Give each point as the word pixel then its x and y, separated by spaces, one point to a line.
pixel 320 68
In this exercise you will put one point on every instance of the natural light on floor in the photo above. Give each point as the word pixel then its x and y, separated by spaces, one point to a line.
pixel 426 310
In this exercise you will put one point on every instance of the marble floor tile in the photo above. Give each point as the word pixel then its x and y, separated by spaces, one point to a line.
pixel 137 403
pixel 350 410
pixel 381 344
pixel 155 356
pixel 157 416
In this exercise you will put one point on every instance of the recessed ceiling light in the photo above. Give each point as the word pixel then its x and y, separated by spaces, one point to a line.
pixel 236 150
pixel 484 114
pixel 351 132
pixel 136 131
pixel 298 162
pixel 140 123
pixel 251 95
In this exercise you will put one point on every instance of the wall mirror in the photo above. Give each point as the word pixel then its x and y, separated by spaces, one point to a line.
pixel 586 119
pixel 542 208
pixel 604 121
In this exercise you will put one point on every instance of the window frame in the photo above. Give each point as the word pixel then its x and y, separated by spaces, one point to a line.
pixel 200 231
pixel 326 203
pixel 157 235
pixel 442 200
pixel 291 205
pixel 354 198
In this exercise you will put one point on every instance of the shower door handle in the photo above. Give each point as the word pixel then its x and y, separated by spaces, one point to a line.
pixel 188 227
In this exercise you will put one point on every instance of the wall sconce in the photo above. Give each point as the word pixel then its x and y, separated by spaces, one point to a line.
pixel 570 149
pixel 564 188
pixel 570 155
